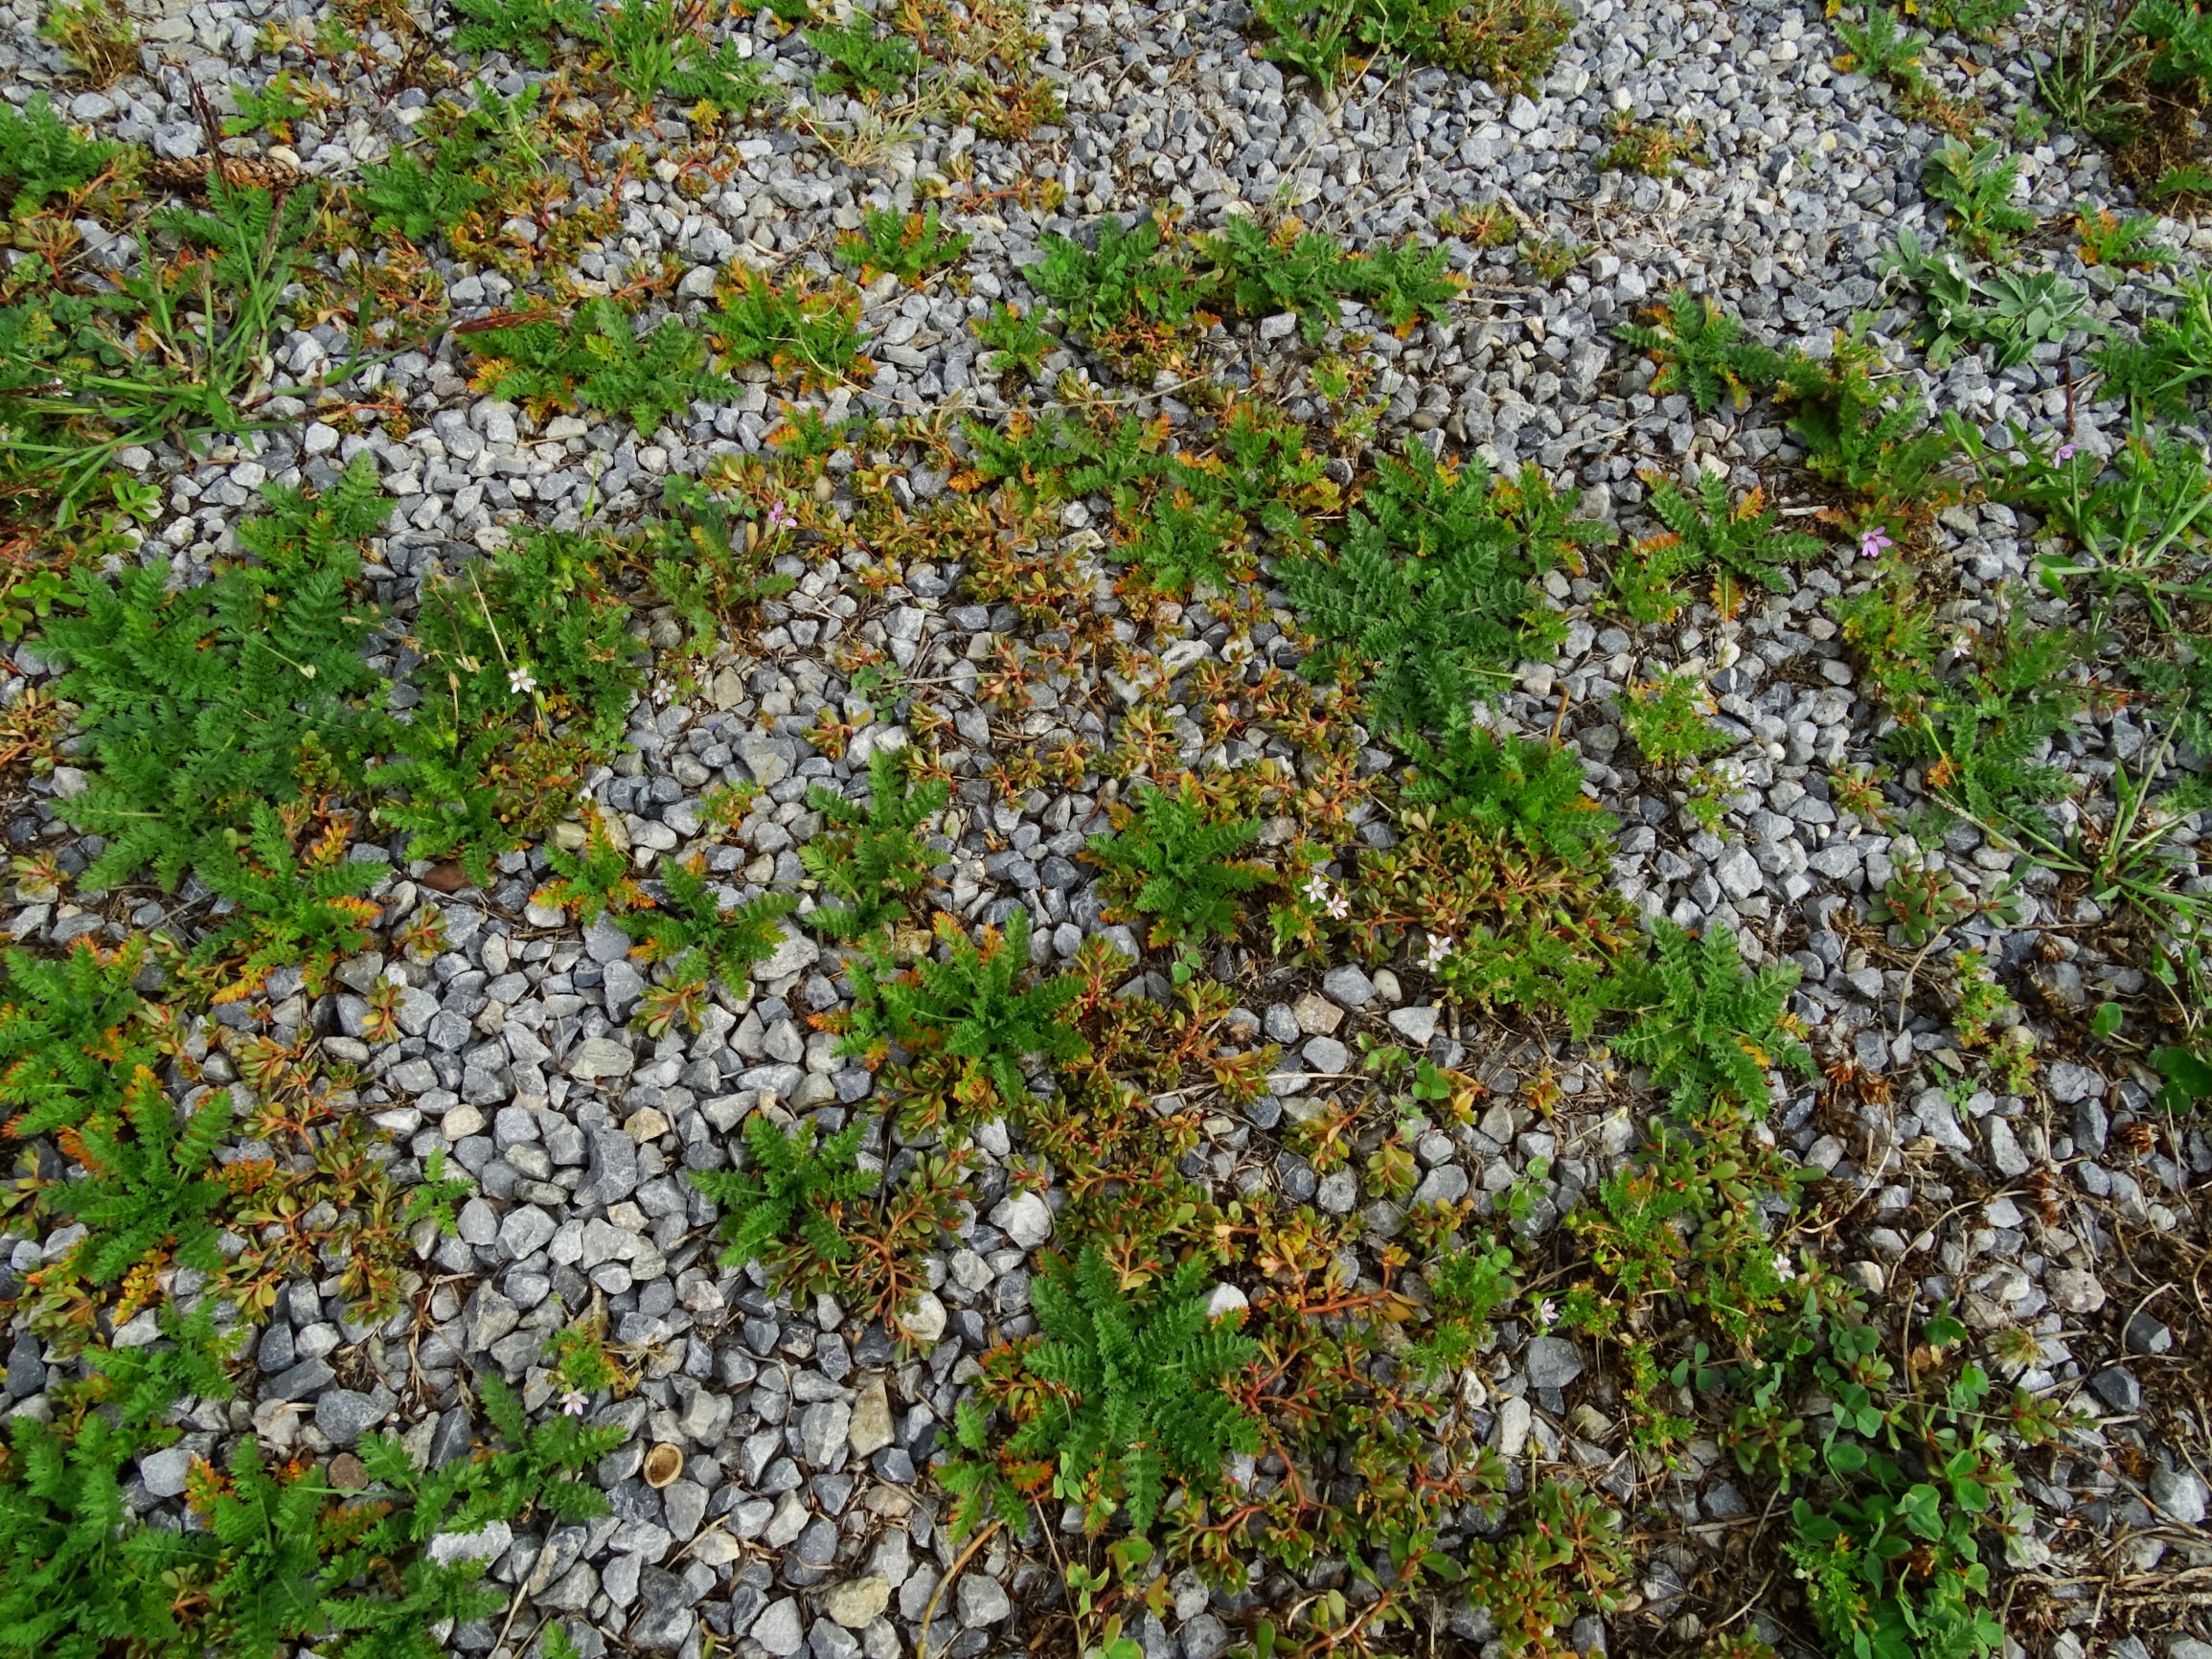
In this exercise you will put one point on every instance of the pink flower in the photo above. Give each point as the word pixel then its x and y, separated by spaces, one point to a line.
pixel 780 516
pixel 573 1403
pixel 1873 543
pixel 2064 452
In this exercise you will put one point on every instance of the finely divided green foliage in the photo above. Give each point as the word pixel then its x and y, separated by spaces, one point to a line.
pixel 287 910
pixel 1528 794
pixel 1870 437
pixel 2163 369
pixel 1136 1385
pixel 41 155
pixel 72 1033
pixel 196 704
pixel 968 1006
pixel 598 360
pixel 1882 49
pixel 77 1576
pixel 1670 720
pixel 1976 184
pixel 2182 38
pixel 1977 733
pixel 1704 1025
pixel 522 29
pixel 1131 277
pixel 877 862
pixel 875 66
pixel 1172 861
pixel 1264 274
pixel 1702 353
pixel 907 245
pixel 148 1194
pixel 1510 43
pixel 528 649
pixel 704 563
pixel 420 194
pixel 693 930
pixel 1432 589
pixel 1704 533
pixel 792 1187
pixel 813 335
pixel 654 51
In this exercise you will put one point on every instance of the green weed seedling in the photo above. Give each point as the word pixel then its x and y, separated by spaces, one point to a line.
pixel 1528 794
pixel 287 908
pixel 151 1191
pixel 41 155
pixel 1977 185
pixel 1670 720
pixel 522 29
pixel 184 355
pixel 1705 1026
pixel 793 1189
pixel 652 50
pixel 527 675
pixel 599 360
pixel 73 1031
pixel 1138 1397
pixel 97 36
pixel 1430 592
pixel 1289 270
pixel 1018 342
pixel 1701 351
pixel 811 334
pixel 432 1199
pixel 1170 858
pixel 1740 544
pixel 691 929
pixel 909 246
pixel 2119 241
pixel 2139 523
pixel 1651 147
pixel 1552 258
pixel 2181 40
pixel 1976 733
pixel 1406 283
pixel 1866 437
pixel 473 157
pixel 2092 61
pixel 1882 49
pixel 594 880
pixel 861 60
pixel 2011 312
pixel 875 862
pixel 1131 279
pixel 1509 43
pixel 708 561
pixel 968 1008
pixel 2163 371
pixel 198 704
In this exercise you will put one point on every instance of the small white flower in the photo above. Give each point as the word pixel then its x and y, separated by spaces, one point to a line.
pixel 519 681
pixel 1784 1269
pixel 573 1403
pixel 1438 953
pixel 1547 1313
pixel 1339 906
pixel 1317 889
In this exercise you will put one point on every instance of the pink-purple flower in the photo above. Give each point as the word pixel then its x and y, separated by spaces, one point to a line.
pixel 2064 452
pixel 1874 543
pixel 780 516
